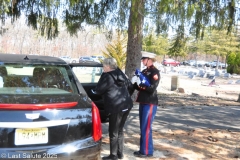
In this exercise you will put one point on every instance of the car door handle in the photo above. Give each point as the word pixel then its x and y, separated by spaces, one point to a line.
pixel 93 91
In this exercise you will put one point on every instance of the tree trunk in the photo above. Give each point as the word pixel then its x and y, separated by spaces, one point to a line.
pixel 238 98
pixel 134 45
pixel 217 62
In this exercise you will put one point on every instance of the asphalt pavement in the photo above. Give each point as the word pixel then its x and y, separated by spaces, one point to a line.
pixel 187 118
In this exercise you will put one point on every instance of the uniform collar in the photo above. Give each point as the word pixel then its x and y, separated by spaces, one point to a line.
pixel 150 66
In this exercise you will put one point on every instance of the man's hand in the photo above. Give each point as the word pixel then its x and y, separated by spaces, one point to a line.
pixel 142 86
pixel 135 85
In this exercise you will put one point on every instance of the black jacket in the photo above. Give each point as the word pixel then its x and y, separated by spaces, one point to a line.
pixel 113 86
pixel 148 95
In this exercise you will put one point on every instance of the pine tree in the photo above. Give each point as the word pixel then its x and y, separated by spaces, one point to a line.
pixel 117 50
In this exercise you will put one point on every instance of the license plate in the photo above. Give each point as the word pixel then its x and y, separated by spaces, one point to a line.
pixel 31 136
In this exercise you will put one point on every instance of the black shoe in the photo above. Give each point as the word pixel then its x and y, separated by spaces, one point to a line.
pixel 120 156
pixel 110 157
pixel 139 154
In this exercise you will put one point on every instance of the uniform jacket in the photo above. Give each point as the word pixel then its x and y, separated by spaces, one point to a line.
pixel 148 95
pixel 113 86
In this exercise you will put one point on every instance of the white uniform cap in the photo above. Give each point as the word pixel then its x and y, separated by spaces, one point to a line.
pixel 147 55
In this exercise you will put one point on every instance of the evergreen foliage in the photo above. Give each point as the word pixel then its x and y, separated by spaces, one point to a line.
pixel 233 63
pixel 117 50
pixel 198 47
pixel 157 44
pixel 191 17
pixel 178 47
pixel 216 43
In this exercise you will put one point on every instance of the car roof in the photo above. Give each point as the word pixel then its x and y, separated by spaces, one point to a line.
pixel 85 57
pixel 86 64
pixel 30 59
pixel 65 57
pixel 96 56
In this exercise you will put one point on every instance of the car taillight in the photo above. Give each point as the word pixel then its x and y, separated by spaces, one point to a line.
pixel 37 106
pixel 96 123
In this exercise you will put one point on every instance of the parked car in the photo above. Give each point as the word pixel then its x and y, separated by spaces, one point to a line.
pixel 192 62
pixel 85 59
pixel 185 63
pixel 214 64
pixel 45 113
pixel 200 63
pixel 207 64
pixel 97 58
pixel 170 62
pixel 223 65
pixel 66 59
pixel 74 60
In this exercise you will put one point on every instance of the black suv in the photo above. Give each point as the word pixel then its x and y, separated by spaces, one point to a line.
pixel 45 112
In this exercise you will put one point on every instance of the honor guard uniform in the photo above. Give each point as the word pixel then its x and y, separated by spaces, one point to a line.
pixel 148 102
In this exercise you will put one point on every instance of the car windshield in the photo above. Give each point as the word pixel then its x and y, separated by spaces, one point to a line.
pixel 36 79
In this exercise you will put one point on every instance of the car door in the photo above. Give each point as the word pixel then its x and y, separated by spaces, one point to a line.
pixel 88 74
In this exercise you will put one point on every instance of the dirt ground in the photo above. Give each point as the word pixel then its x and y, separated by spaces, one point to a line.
pixel 196 144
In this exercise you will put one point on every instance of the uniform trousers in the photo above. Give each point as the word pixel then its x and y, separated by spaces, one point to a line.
pixel 146 116
pixel 116 124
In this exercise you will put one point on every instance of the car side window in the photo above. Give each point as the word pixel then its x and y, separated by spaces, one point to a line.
pixel 87 74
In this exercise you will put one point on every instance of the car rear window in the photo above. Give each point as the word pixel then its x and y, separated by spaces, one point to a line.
pixel 36 79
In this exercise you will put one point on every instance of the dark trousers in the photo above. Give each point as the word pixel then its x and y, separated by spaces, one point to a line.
pixel 116 124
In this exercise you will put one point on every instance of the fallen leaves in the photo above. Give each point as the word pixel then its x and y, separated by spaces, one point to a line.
pixel 203 143
pixel 190 100
pixel 210 138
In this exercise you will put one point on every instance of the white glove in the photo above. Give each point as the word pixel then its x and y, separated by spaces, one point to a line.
pixel 138 81
pixel 135 79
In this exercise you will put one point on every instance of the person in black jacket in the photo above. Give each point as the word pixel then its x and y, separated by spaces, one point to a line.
pixel 148 101
pixel 114 87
